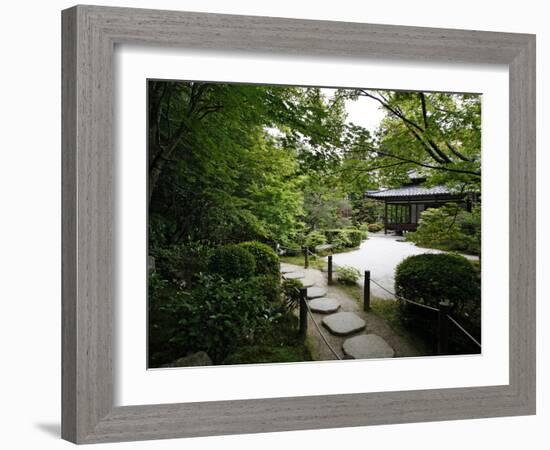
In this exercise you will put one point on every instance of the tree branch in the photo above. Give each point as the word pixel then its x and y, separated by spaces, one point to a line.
pixel 418 163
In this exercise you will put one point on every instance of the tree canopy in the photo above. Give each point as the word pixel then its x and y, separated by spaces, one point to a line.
pixel 233 162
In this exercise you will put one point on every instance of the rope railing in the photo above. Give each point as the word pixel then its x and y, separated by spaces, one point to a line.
pixel 321 333
pixel 305 309
pixel 461 328
pixel 400 297
pixel 442 311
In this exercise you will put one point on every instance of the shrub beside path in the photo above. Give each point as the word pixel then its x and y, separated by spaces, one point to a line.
pixel 374 324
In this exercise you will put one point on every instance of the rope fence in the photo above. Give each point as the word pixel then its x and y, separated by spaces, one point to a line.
pixel 443 316
pixel 304 311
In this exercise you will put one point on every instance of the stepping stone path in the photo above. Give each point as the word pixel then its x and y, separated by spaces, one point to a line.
pixel 294 275
pixel 286 268
pixel 315 292
pixel 362 346
pixel 367 346
pixel 344 323
pixel 324 305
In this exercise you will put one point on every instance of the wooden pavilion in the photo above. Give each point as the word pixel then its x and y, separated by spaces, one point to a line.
pixel 404 205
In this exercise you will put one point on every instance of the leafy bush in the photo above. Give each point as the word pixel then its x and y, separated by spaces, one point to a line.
pixel 232 261
pixel 364 228
pixel 344 238
pixel 266 260
pixel 314 239
pixel 348 275
pixel 161 324
pixel 449 227
pixel 279 341
pixel 291 292
pixel 341 241
pixel 432 278
pixel 375 227
pixel 182 261
pixel 355 237
pixel 218 315
pixel 270 285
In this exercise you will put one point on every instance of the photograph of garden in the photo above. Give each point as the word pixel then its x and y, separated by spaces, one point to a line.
pixel 290 224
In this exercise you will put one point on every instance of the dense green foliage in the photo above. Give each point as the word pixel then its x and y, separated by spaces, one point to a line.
pixel 348 275
pixel 355 237
pixel 180 262
pixel 344 237
pixel 314 239
pixel 367 211
pixel 439 133
pixel 280 343
pixel 232 261
pixel 432 278
pixel 449 227
pixel 206 316
pixel 265 258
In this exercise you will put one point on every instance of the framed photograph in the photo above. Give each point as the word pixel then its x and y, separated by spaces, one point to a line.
pixel 277 224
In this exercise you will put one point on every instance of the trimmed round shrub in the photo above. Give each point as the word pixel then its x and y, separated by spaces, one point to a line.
pixel 266 260
pixel 231 262
pixel 432 278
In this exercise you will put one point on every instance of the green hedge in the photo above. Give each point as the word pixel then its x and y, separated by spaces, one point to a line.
pixel 344 238
pixel 267 261
pixel 355 237
pixel 432 278
pixel 232 261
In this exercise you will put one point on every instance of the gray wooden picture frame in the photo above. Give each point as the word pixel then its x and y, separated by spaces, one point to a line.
pixel 89 37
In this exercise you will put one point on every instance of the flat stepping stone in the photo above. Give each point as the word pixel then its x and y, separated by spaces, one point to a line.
pixel 307 282
pixel 294 275
pixel 367 346
pixel 344 323
pixel 314 292
pixel 286 268
pixel 324 305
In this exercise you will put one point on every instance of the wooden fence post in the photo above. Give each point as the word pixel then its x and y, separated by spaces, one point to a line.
pixel 303 312
pixel 306 258
pixel 366 291
pixel 329 270
pixel 443 328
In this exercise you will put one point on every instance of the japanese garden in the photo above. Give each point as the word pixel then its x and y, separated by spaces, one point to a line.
pixel 289 224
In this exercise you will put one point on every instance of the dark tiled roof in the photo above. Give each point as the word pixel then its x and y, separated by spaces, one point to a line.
pixel 410 191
